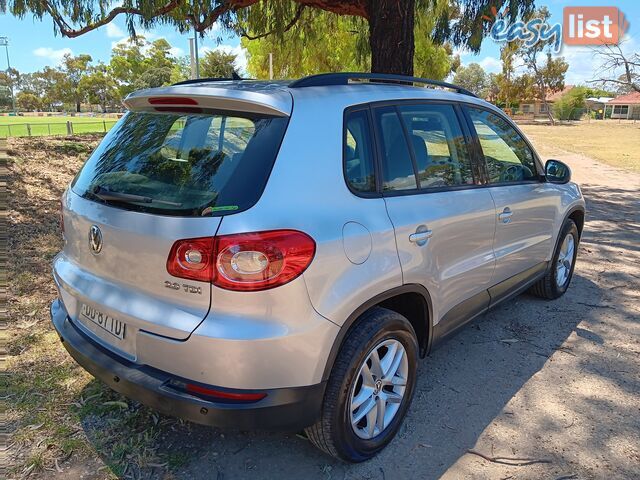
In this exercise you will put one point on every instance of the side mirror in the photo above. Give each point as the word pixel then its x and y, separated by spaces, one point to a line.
pixel 557 171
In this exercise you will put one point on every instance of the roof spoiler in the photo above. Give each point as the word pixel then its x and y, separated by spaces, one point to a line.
pixel 200 99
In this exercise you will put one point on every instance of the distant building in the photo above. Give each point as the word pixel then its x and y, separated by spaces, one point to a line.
pixel 597 105
pixel 538 107
pixel 624 106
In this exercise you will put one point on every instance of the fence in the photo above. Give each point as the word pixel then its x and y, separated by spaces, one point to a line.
pixel 58 128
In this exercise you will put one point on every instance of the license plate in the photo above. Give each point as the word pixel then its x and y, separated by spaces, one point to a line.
pixel 104 321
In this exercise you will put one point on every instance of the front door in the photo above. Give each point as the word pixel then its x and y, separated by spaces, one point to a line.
pixel 525 204
pixel 444 224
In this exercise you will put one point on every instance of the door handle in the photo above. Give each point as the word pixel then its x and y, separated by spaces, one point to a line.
pixel 505 216
pixel 420 238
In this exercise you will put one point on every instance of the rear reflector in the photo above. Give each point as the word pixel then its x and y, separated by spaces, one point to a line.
pixel 243 262
pixel 172 101
pixel 210 392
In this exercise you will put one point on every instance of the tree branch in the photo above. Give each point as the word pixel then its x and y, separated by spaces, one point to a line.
pixel 619 82
pixel 348 7
pixel 213 15
pixel 288 27
pixel 356 8
pixel 69 32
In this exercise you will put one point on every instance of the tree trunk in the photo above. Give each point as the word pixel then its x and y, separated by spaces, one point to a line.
pixel 78 106
pixel 391 25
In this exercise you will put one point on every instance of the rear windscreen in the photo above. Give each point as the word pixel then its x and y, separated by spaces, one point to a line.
pixel 185 165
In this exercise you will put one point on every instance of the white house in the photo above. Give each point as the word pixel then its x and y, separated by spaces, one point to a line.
pixel 624 106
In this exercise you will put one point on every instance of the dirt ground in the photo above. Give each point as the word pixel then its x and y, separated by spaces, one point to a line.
pixel 614 142
pixel 545 389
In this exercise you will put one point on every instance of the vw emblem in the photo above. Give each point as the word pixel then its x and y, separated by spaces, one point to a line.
pixel 95 239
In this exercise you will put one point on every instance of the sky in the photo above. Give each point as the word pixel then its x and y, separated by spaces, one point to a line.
pixel 33 45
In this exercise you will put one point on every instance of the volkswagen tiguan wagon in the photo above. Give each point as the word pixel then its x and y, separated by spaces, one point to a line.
pixel 279 255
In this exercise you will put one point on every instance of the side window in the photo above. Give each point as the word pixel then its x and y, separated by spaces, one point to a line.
pixel 439 147
pixel 358 157
pixel 397 166
pixel 507 155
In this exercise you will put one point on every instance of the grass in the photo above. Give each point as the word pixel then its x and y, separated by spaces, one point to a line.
pixel 59 416
pixel 36 126
pixel 617 144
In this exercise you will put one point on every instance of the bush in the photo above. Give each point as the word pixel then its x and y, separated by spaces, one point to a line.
pixel 571 105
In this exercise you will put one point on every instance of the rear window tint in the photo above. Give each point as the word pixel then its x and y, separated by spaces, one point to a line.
pixel 184 165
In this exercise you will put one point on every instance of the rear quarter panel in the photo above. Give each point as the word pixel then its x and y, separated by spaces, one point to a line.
pixel 307 191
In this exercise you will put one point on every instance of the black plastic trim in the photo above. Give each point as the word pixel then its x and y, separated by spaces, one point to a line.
pixel 578 208
pixel 480 303
pixel 381 297
pixel 517 283
pixel 288 409
pixel 463 313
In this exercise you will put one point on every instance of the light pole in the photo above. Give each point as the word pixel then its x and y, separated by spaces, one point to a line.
pixel 4 42
pixel 195 41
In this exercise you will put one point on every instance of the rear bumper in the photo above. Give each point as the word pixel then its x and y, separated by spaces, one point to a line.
pixel 288 409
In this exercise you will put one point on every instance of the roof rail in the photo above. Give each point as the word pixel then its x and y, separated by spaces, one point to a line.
pixel 347 78
pixel 209 79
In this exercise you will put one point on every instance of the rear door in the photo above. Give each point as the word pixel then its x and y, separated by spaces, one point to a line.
pixel 156 178
pixel 444 223
pixel 525 204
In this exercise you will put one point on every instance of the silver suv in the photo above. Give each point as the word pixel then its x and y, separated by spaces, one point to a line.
pixel 279 255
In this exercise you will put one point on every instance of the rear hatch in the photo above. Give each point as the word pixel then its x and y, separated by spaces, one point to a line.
pixel 162 174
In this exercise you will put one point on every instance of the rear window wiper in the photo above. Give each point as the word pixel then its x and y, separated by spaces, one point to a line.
pixel 106 194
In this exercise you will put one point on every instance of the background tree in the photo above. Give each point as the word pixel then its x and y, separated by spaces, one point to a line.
pixel 505 80
pixel 74 69
pixel 126 63
pixel 571 105
pixel 181 69
pixel 9 82
pixel 28 102
pixel 100 87
pixel 618 69
pixel 323 42
pixel 492 91
pixel 218 64
pixel 136 64
pixel 391 23
pixel 327 42
pixel 473 78
pixel 50 81
pixel 546 72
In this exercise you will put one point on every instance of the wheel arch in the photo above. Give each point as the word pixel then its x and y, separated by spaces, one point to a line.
pixel 411 301
pixel 577 215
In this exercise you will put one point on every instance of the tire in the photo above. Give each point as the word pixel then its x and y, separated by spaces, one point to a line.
pixel 549 286
pixel 334 433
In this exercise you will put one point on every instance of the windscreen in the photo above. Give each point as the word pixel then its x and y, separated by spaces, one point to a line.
pixel 183 164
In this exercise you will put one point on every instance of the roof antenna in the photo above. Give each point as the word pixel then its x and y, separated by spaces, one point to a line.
pixel 235 76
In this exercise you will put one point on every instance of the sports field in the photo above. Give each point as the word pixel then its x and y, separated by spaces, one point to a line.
pixel 35 126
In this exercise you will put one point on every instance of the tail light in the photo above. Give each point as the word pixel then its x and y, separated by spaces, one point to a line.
pixel 172 101
pixel 246 261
